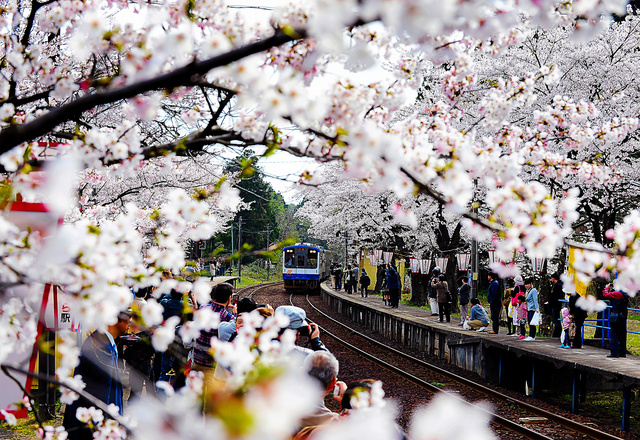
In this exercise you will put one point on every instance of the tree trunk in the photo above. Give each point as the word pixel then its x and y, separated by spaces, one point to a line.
pixel 418 289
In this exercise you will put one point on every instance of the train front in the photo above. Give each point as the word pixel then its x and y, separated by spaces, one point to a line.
pixel 301 267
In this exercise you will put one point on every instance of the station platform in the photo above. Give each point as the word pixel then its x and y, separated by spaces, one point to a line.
pixel 498 358
pixel 214 281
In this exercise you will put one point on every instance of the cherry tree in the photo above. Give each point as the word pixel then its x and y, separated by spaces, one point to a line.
pixel 122 87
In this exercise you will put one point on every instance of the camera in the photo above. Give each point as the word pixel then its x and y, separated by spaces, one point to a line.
pixel 258 306
pixel 304 330
pixel 234 298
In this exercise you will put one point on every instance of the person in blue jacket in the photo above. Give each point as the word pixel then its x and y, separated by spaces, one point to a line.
pixel 393 284
pixel 99 370
pixel 532 307
pixel 495 302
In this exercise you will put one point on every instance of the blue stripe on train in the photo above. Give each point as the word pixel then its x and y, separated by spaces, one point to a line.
pixel 300 276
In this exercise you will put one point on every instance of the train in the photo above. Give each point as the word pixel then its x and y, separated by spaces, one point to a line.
pixel 305 266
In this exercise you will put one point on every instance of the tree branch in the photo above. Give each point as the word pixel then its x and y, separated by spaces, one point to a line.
pixel 184 76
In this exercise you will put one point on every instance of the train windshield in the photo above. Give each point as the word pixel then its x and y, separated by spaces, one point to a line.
pixel 301 257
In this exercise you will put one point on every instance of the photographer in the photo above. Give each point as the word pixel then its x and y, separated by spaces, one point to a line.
pixel 298 321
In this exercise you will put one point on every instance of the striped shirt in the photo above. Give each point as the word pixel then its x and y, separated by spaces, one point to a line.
pixel 201 348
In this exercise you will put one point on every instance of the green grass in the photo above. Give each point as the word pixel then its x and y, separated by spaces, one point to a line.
pixel 255 273
pixel 26 429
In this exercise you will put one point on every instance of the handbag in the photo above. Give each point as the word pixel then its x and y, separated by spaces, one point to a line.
pixel 535 320
pixel 510 312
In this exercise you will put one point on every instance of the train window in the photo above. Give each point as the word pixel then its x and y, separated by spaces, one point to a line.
pixel 289 258
pixel 300 260
pixel 312 258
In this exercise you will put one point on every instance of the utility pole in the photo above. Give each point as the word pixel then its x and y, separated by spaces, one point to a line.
pixel 474 251
pixel 268 261
pixel 346 255
pixel 232 245
pixel 239 248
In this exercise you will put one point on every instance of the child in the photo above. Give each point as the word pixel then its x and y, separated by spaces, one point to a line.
pixel 521 315
pixel 566 323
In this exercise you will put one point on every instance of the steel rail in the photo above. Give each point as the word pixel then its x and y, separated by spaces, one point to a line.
pixel 495 418
pixel 258 287
pixel 563 421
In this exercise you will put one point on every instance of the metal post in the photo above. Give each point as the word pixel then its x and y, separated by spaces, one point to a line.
pixel 474 268
pixel 626 408
pixel 575 395
pixel 239 247
pixel 474 248
pixel 346 256
pixel 534 394
pixel 268 260
pixel 232 247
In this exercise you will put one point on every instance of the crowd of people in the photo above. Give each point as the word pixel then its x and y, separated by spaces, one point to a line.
pixel 516 303
pixel 520 303
pixel 347 279
pixel 153 372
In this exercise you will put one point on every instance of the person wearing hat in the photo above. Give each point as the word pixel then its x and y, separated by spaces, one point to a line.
pixel 98 367
pixel 433 291
pixel 298 322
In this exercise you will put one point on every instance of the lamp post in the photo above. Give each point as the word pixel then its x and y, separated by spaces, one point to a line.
pixel 474 249
pixel 346 236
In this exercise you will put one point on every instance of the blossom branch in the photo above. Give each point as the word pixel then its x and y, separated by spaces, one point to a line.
pixel 89 397
pixel 184 76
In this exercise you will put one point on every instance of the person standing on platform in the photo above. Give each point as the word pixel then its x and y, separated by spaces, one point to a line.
pixel 433 292
pixel 555 302
pixel 334 281
pixel 617 321
pixel 347 279
pixel 463 298
pixel 338 277
pixel 365 281
pixel 579 317
pixel 521 316
pixel 532 307
pixel 99 370
pixel 508 308
pixel 354 279
pixel 443 298
pixel 393 284
pixel 495 303
pixel 566 326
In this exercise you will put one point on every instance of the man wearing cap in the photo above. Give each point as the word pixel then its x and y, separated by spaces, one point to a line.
pixel 298 322
pixel 99 370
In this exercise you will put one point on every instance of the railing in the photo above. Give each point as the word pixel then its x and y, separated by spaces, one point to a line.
pixel 604 335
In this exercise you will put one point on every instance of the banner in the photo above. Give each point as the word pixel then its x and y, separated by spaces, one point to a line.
pixel 58 315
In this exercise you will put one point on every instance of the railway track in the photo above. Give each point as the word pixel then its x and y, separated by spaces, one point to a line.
pixel 415 373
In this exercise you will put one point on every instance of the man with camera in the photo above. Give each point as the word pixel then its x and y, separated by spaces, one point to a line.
pixel 298 322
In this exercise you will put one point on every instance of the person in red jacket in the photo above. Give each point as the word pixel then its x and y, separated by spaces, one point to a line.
pixel 617 321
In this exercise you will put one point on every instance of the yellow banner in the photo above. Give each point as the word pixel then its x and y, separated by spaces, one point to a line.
pixel 581 288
